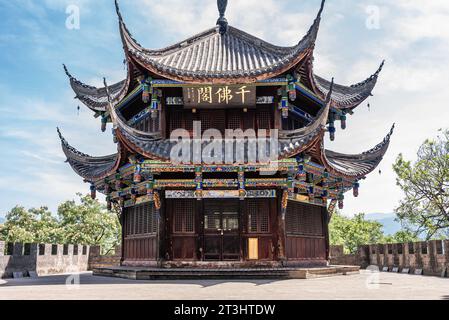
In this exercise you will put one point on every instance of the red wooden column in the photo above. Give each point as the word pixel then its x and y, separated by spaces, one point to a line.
pixel 122 222
pixel 326 231
pixel 282 235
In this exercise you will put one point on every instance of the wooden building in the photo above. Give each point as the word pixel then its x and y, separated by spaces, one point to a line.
pixel 246 209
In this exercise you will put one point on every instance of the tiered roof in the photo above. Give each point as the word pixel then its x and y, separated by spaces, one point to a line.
pixel 226 55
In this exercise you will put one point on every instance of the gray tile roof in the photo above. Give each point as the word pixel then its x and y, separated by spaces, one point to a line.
pixel 358 165
pixel 347 97
pixel 234 56
pixel 96 98
pixel 88 167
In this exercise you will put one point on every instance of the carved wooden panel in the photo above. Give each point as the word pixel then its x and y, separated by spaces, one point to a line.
pixel 140 229
pixel 303 219
pixel 183 216
pixel 258 211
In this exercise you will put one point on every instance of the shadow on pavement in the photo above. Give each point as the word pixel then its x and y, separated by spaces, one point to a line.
pixel 89 279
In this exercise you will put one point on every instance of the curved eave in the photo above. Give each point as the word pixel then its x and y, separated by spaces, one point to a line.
pixel 292 143
pixel 96 98
pixel 356 167
pixel 347 97
pixel 239 57
pixel 90 168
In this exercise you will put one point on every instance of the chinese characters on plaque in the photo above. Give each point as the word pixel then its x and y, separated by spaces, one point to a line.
pixel 232 95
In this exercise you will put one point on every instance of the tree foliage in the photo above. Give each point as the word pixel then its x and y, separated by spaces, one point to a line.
pixel 87 222
pixel 425 183
pixel 403 236
pixel 353 232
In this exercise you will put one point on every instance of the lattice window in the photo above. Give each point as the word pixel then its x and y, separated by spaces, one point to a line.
pixel 248 120
pixel 141 220
pixel 213 119
pixel 234 120
pixel 411 248
pixel 303 219
pixel 258 216
pixel 183 216
pixel 176 120
pixel 154 221
pixel 147 219
pixel 264 119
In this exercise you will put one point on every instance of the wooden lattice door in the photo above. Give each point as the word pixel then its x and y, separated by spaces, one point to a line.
pixel 221 230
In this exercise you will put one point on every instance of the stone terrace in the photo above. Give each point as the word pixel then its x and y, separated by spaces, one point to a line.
pixel 378 286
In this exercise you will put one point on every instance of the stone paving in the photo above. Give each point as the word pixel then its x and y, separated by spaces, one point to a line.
pixel 378 286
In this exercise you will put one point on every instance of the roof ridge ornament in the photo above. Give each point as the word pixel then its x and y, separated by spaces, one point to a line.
pixel 222 22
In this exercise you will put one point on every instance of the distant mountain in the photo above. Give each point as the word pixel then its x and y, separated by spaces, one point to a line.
pixel 387 220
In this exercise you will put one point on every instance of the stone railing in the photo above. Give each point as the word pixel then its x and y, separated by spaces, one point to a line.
pixel 23 260
pixel 428 258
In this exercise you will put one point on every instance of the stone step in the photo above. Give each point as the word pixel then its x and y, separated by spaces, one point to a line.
pixel 222 274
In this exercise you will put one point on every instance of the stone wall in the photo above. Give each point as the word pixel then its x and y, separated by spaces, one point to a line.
pixel 432 256
pixel 43 259
pixel 96 260
pixel 337 257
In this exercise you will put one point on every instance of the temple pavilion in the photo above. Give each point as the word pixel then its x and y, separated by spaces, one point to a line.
pixel 248 203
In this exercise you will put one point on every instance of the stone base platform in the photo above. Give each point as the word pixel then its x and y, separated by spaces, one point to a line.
pixel 136 273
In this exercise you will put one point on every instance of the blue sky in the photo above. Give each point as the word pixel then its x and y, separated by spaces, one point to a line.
pixel 35 95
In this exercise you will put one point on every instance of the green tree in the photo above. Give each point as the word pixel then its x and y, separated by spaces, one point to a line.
pixel 353 232
pixel 402 236
pixel 27 226
pixel 425 183
pixel 89 223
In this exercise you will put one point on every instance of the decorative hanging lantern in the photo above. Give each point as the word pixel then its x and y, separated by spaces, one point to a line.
pixel 134 194
pixel 356 188
pixel 154 106
pixel 146 91
pixel 150 190
pixel 107 187
pixel 325 194
pixel 242 189
pixel 157 201
pixel 325 179
pixel 109 203
pixel 291 87
pixel 341 204
pixel 114 135
pixel 332 129
pixel 104 122
pixel 311 192
pixel 301 174
pixel 284 106
pixel 343 119
pixel 284 203
pixel 93 191
pixel 137 174
pixel 199 183
pixel 118 182
pixel 290 185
